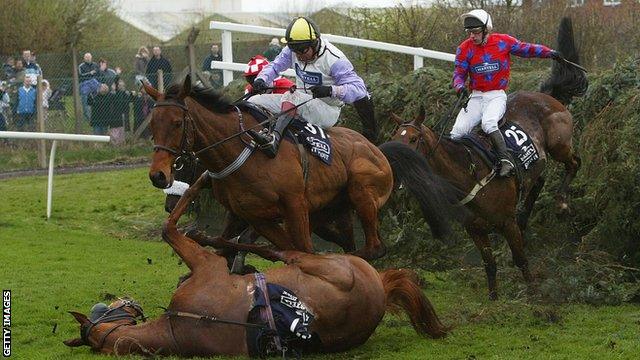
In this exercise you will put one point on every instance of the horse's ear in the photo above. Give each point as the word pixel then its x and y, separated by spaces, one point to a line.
pixel 398 120
pixel 186 87
pixel 81 318
pixel 150 90
pixel 421 116
pixel 74 342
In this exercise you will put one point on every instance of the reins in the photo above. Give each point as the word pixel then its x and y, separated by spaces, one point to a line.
pixel 444 121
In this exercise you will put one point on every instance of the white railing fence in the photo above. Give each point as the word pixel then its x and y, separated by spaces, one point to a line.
pixel 228 66
pixel 55 137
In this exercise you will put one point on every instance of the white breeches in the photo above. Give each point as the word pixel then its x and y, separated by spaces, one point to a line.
pixel 315 111
pixel 486 107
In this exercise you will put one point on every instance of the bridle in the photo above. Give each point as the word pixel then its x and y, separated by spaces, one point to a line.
pixel 187 124
pixel 113 314
pixel 421 141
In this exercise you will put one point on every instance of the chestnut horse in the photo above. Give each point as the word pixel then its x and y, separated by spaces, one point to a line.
pixel 550 126
pixel 208 313
pixel 262 191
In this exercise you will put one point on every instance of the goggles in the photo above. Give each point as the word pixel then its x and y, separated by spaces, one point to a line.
pixel 299 48
pixel 475 30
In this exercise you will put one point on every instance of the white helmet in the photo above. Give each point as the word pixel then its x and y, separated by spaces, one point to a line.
pixel 477 18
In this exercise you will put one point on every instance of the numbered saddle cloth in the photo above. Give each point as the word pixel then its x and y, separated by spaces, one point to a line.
pixel 518 142
pixel 314 139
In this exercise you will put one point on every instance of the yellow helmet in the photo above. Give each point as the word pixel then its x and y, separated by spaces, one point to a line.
pixel 301 30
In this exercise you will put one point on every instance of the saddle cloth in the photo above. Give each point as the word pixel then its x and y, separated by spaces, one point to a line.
pixel 292 320
pixel 312 137
pixel 518 143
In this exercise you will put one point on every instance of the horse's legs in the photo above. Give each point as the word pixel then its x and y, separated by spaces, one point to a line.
pixel 512 233
pixel 480 236
pixel 529 202
pixel 335 224
pixel 571 167
pixel 296 223
pixel 367 210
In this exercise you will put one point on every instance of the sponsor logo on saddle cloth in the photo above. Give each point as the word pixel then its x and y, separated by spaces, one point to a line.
pixel 309 77
pixel 313 138
pixel 520 144
pixel 289 313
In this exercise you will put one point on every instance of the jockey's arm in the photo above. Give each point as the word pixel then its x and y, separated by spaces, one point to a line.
pixel 461 70
pixel 527 50
pixel 348 86
pixel 281 63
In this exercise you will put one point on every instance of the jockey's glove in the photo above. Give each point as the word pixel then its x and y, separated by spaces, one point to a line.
pixel 321 91
pixel 259 86
pixel 555 55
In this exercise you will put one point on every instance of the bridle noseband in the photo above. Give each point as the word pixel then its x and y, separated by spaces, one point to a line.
pixel 114 314
pixel 183 151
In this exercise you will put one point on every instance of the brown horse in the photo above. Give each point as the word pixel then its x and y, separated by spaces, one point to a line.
pixel 208 313
pixel 550 126
pixel 263 191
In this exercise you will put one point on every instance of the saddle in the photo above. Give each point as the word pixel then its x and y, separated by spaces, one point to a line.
pixel 519 144
pixel 300 132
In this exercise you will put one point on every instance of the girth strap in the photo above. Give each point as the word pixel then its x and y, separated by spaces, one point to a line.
pixel 482 183
pixel 266 312
pixel 235 165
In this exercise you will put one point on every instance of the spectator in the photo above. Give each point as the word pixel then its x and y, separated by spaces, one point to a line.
pixel 26 106
pixel 7 68
pixel 122 99
pixel 46 94
pixel 215 75
pixel 273 49
pixel 158 62
pixel 87 71
pixel 101 110
pixel 140 64
pixel 18 72
pixel 4 104
pixel 105 74
pixel 32 69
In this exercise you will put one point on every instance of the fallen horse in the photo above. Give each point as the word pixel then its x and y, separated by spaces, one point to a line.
pixel 337 301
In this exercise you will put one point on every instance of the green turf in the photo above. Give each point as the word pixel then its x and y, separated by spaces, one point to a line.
pixel 103 239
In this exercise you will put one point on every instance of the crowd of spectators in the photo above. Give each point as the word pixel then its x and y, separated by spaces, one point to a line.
pixel 107 104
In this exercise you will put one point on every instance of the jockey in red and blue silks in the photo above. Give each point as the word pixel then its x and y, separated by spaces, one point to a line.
pixel 485 58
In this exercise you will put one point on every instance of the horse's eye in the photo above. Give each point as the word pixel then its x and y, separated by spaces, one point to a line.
pixel 177 124
pixel 413 139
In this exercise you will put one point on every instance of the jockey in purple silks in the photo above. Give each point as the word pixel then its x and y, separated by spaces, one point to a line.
pixel 325 81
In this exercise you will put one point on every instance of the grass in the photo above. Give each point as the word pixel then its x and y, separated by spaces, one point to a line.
pixel 103 240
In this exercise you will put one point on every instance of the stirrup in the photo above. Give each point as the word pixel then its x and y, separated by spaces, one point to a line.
pixel 503 163
pixel 261 138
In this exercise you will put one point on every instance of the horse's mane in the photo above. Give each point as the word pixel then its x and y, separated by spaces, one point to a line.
pixel 208 97
pixel 566 81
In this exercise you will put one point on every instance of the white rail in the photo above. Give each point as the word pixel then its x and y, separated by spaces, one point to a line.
pixel 227 64
pixel 55 137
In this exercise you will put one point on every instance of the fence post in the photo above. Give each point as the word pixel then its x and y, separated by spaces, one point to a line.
pixel 160 80
pixel 42 156
pixel 227 56
pixel 192 52
pixel 418 62
pixel 77 102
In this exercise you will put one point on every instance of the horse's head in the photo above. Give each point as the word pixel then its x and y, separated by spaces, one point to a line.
pixel 170 127
pixel 412 132
pixel 103 320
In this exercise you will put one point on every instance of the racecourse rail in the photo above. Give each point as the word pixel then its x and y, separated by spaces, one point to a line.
pixel 55 137
pixel 228 66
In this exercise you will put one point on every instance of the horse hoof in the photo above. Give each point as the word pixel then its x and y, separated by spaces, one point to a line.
pixel 370 254
pixel 493 295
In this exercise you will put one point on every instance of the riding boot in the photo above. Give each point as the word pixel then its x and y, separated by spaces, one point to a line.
pixel 364 108
pixel 506 161
pixel 269 143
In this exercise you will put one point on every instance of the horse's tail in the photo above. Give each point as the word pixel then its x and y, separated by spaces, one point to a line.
pixel 402 292
pixel 566 80
pixel 434 194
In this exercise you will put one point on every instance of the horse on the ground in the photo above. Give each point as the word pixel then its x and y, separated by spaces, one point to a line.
pixel 262 191
pixel 548 123
pixel 209 314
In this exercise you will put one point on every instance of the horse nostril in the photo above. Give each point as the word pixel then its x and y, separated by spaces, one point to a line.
pixel 158 180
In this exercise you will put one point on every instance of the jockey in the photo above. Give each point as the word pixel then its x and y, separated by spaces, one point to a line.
pixel 280 84
pixel 485 58
pixel 325 80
